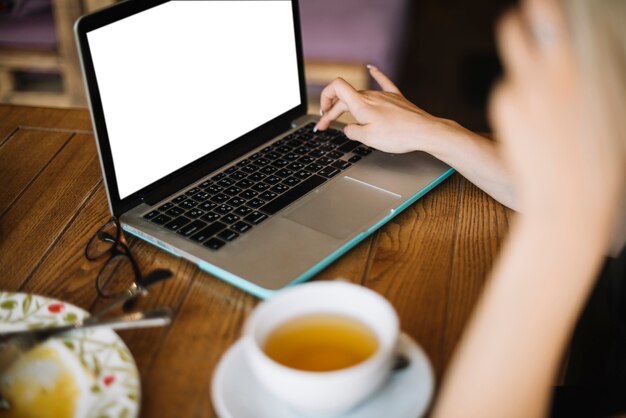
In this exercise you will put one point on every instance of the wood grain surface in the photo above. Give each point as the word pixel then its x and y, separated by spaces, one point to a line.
pixel 430 261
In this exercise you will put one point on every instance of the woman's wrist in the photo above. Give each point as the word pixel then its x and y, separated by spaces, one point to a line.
pixel 446 140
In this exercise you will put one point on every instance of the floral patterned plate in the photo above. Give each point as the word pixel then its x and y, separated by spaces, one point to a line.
pixel 115 386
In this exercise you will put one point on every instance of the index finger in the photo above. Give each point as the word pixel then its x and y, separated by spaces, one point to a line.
pixel 339 89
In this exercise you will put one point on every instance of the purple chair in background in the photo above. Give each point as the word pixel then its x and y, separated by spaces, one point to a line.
pixel 37 49
pixel 341 36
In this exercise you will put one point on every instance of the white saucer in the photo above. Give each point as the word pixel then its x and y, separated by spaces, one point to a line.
pixel 237 394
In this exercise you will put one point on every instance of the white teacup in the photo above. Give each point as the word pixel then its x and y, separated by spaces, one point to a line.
pixel 331 392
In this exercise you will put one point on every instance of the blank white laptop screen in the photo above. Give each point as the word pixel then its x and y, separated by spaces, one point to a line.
pixel 182 79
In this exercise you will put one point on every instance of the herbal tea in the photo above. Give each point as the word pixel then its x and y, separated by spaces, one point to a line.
pixel 321 342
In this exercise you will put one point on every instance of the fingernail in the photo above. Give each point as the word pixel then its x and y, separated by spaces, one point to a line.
pixel 321 112
pixel 370 67
pixel 315 129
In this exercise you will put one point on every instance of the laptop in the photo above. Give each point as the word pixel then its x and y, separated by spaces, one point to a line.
pixel 200 116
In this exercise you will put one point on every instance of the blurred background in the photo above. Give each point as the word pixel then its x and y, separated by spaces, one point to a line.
pixel 441 53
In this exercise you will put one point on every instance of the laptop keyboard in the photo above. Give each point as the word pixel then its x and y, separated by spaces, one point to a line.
pixel 232 202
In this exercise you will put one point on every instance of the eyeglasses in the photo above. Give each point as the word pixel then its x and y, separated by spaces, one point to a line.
pixel 120 276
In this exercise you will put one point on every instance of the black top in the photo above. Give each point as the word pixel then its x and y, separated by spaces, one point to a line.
pixel 595 380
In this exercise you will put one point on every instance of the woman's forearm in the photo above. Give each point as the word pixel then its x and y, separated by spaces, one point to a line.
pixel 474 157
pixel 508 358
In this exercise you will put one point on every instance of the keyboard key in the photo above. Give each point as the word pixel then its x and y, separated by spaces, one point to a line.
pixel 226 182
pixel 244 184
pixel 205 184
pixel 268 195
pixel 240 227
pixel 255 203
pixel 242 211
pixel 255 156
pixel 291 181
pixel 329 172
pixel 230 218
pixel 220 198
pixel 292 156
pixel 284 173
pixel 218 177
pixel 228 235
pixel 341 164
pixel 223 209
pixel 335 154
pixel 313 144
pixel 314 168
pixel 303 174
pixel 179 199
pixel 248 194
pixel 175 211
pixel 151 214
pixel 272 180
pixel 250 168
pixel 339 140
pixel 255 218
pixel 230 169
pixel 177 223
pixel 293 194
pixel 317 153
pixel 207 205
pixel 192 191
pixel 214 189
pixel 260 187
pixel 295 166
pixel 236 201
pixel 362 151
pixel 302 150
pixel 188 204
pixel 209 231
pixel 354 159
pixel 233 190
pixel 280 163
pixel 280 188
pixel 307 127
pixel 210 217
pixel 262 162
pixel 192 228
pixel 256 177
pixel 267 149
pixel 283 149
pixel 268 169
pixel 238 175
pixel 243 162
pixel 214 244
pixel 272 156
pixel 201 196
pixel 194 213
pixel 327 148
pixel 166 206
pixel 348 146
pixel 325 161
pixel 307 159
pixel 161 219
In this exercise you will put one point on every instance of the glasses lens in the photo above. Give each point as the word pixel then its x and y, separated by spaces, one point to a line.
pixel 116 276
pixel 103 240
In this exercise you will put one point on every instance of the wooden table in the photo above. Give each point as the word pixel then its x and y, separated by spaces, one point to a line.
pixel 430 261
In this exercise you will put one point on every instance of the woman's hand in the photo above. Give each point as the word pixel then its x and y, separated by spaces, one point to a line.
pixel 386 120
pixel 564 167
pixel 568 176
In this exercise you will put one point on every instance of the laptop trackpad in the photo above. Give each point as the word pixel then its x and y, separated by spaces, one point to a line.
pixel 344 208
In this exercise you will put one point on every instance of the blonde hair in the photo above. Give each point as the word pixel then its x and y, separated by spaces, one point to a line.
pixel 598 31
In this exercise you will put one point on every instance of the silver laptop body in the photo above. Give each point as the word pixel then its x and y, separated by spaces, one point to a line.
pixel 288 246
